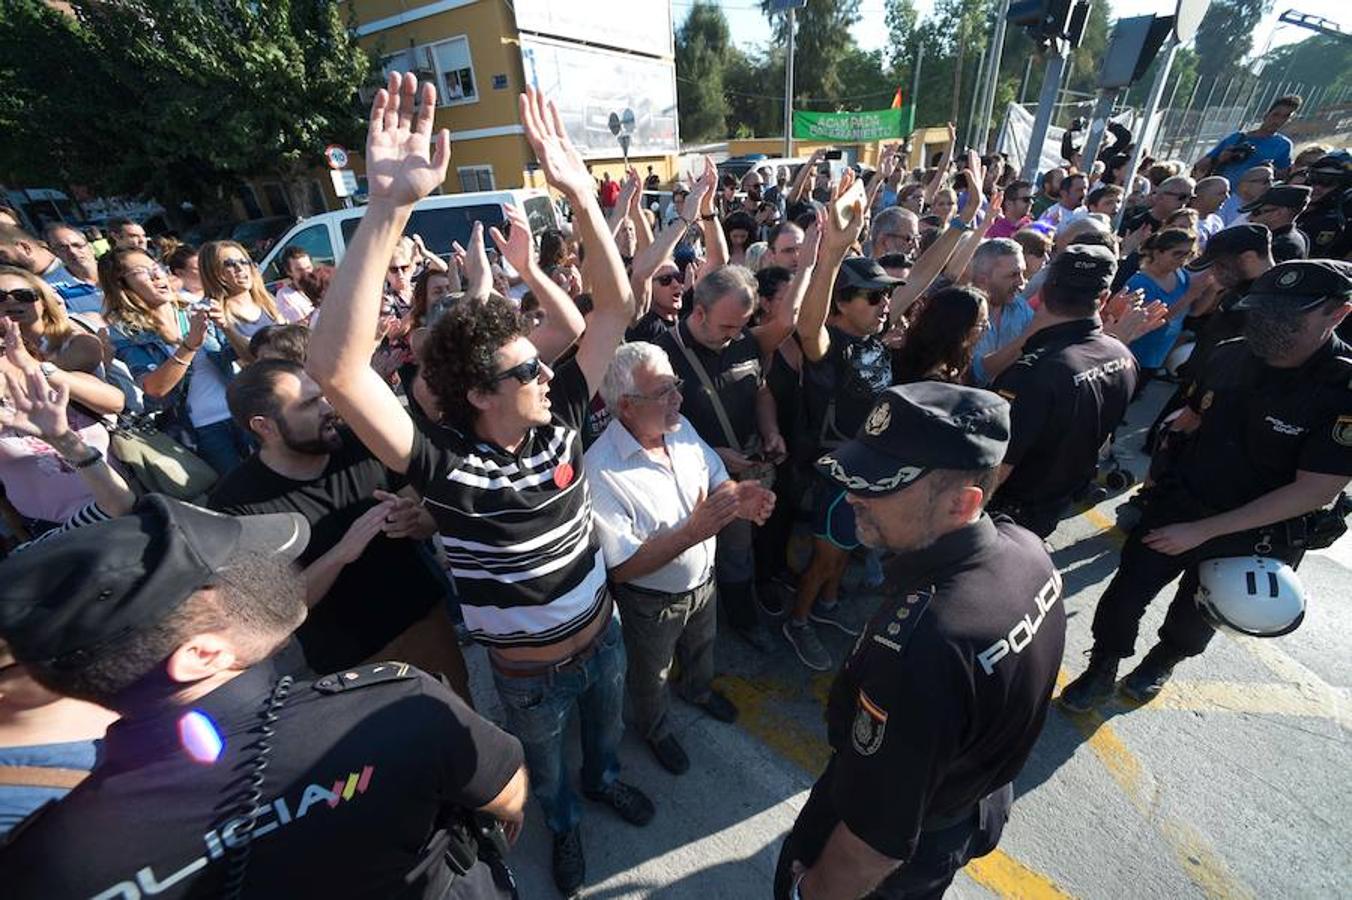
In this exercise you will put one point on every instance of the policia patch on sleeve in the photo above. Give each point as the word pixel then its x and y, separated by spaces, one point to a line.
pixel 1342 431
pixel 870 725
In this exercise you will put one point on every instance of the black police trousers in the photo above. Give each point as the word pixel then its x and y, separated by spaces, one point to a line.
pixel 1142 573
pixel 938 856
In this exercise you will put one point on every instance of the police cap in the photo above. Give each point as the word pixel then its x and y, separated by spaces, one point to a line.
pixel 1300 284
pixel 914 429
pixel 1233 241
pixel 1083 267
pixel 67 598
pixel 1287 196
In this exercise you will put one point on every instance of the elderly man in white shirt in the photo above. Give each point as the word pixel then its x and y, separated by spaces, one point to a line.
pixel 659 497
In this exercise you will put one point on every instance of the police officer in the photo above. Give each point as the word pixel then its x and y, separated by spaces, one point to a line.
pixel 1278 209
pixel 1326 220
pixel 1263 443
pixel 232 771
pixel 946 691
pixel 1067 392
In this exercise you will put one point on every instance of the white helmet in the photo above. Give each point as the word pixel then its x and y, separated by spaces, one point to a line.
pixel 1253 595
pixel 1177 357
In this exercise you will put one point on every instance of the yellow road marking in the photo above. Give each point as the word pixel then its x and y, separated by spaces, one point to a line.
pixel 755 697
pixel 1107 526
pixel 1191 850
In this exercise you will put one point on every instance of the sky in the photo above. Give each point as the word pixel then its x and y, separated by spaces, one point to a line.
pixel 749 27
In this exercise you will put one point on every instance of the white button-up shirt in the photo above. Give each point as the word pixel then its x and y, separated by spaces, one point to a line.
pixel 635 498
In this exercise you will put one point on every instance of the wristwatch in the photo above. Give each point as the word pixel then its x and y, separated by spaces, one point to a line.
pixel 48 368
pixel 87 461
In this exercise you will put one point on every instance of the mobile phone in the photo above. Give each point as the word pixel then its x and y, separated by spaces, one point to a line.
pixel 834 154
pixel 756 457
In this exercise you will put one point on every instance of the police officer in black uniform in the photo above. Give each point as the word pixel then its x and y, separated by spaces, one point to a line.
pixel 947 689
pixel 233 772
pixel 1326 221
pixel 1262 446
pixel 1067 393
pixel 1278 209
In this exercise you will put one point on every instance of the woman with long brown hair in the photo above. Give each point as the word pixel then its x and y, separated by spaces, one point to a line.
pixel 182 360
pixel 941 338
pixel 230 276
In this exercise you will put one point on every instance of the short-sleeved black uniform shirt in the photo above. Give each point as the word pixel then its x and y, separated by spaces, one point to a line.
pixel 1260 425
pixel 923 726
pixel 517 525
pixel 353 789
pixel 360 614
pixel 736 375
pixel 1326 224
pixel 1067 393
pixel 1289 242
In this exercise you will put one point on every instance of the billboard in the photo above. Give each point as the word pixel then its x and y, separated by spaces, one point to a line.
pixel 639 26
pixel 589 83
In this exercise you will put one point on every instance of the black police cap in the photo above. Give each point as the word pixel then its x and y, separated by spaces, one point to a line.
pixel 1233 241
pixel 69 597
pixel 1300 284
pixel 1083 267
pixel 914 429
pixel 1287 196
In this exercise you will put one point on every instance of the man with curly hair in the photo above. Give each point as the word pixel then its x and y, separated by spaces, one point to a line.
pixel 502 474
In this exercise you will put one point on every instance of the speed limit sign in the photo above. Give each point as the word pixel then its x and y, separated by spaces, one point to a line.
pixel 336 156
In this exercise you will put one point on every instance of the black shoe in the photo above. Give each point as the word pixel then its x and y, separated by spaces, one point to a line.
pixel 629 802
pixel 670 754
pixel 1094 686
pixel 570 867
pixel 770 598
pixel 756 636
pixel 719 707
pixel 1147 679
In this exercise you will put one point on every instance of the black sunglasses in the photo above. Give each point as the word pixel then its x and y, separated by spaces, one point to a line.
pixel 666 279
pixel 23 295
pixel 524 372
pixel 876 297
pixel 1324 179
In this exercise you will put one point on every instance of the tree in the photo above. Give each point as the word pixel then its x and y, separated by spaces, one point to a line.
pixel 822 40
pixel 902 22
pixel 1225 35
pixel 1319 60
pixel 753 92
pixel 702 46
pixel 179 100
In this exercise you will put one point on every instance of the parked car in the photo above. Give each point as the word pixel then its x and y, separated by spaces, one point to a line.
pixel 258 235
pixel 439 219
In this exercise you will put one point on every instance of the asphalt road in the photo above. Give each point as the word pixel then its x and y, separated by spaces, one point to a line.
pixel 1231 784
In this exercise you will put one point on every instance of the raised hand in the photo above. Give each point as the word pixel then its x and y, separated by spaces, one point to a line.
pixel 706 206
pixel 402 166
pixel 845 214
pixel 16 351
pixel 197 330
pixel 701 193
pixel 33 407
pixel 517 248
pixel 560 161
pixel 976 174
pixel 478 277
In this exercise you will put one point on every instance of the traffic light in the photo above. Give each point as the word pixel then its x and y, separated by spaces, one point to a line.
pixel 1050 19
pixel 1154 40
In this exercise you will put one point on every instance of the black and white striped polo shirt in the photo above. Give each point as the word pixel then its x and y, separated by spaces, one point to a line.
pixel 517 527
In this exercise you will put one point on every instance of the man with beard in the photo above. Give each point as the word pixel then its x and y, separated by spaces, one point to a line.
pixel 1234 257
pixel 1264 440
pixel 362 534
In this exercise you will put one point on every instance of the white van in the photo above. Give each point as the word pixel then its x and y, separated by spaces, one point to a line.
pixel 439 219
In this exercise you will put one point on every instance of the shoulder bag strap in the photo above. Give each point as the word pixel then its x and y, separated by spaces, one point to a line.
pixel 708 386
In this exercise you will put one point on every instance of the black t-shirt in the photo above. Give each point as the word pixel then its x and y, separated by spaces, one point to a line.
pixel 839 389
pixel 736 375
pixel 360 614
pixel 354 786
pixel 934 711
pixel 1260 424
pixel 648 328
pixel 1067 393
pixel 517 525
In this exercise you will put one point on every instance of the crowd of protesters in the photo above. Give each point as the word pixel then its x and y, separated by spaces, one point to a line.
pixel 582 444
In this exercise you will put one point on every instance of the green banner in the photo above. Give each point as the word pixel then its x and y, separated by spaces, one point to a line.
pixel 853 127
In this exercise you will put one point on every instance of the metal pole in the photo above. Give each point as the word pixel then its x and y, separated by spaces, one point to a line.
pixel 1151 103
pixel 993 76
pixel 1051 86
pixel 788 93
pixel 1181 122
pixel 978 85
pixel 1023 82
pixel 1098 124
pixel 1168 116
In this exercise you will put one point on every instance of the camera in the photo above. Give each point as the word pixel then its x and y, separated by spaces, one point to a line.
pixel 1241 152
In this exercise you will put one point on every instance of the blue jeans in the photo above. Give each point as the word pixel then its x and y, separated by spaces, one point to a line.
pixel 538 708
pixel 222 445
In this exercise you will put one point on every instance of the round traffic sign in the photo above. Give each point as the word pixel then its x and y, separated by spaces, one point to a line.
pixel 336 156
pixel 1188 17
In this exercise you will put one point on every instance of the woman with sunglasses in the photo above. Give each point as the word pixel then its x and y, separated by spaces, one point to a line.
pixel 941 337
pixel 230 277
pixel 1162 277
pixel 47 331
pixel 183 360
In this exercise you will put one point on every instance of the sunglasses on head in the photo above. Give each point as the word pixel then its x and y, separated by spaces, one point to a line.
pixel 22 295
pixel 524 372
pixel 666 278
